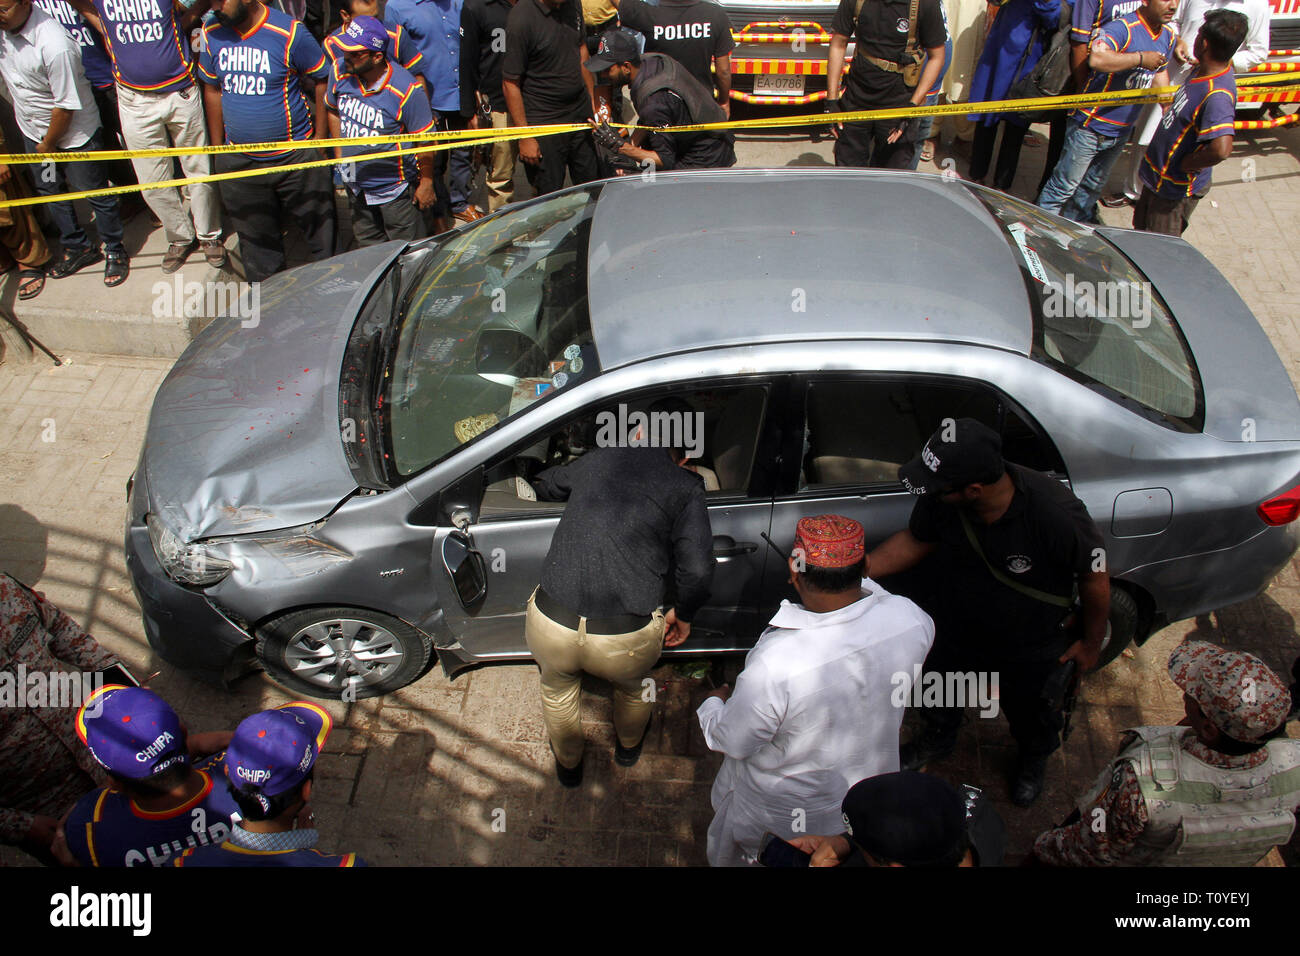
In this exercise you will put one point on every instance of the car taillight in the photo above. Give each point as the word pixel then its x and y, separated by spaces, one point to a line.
pixel 1283 509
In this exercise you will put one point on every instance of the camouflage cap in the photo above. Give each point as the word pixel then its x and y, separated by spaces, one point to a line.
pixel 1236 691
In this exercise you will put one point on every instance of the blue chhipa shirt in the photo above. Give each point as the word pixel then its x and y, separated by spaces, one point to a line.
pixel 395 104
pixel 1203 109
pixel 145 43
pixel 244 848
pixel 1089 16
pixel 94 57
pixel 1129 34
pixel 258 73
pixel 107 829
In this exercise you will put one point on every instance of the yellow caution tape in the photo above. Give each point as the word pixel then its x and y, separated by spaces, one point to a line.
pixel 468 138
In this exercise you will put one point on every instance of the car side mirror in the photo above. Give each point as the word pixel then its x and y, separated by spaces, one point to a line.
pixel 466 568
pixel 508 352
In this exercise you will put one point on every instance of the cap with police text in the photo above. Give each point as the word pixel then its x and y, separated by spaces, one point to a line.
pixel 363 35
pixel 829 541
pixel 131 732
pixel 959 453
pixel 1237 692
pixel 616 46
pixel 273 751
pixel 911 818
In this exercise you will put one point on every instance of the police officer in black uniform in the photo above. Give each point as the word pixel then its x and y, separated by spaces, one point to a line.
pixel 665 95
pixel 884 75
pixel 1009 548
pixel 695 33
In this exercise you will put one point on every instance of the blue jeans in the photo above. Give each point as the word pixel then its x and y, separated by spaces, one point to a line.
pixel 924 127
pixel 52 178
pixel 1082 171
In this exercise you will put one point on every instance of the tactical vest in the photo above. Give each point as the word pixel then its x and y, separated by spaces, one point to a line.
pixel 1201 815
pixel 672 76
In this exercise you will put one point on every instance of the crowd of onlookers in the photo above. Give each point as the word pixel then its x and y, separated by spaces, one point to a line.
pixel 87 75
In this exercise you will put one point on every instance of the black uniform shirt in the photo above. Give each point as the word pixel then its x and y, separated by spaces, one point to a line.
pixel 1043 541
pixel 692 32
pixel 633 519
pixel 703 150
pixel 542 56
pixel 482 48
pixel 881 31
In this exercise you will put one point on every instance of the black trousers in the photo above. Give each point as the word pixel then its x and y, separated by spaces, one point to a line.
pixel 981 153
pixel 1036 723
pixel 259 207
pixel 863 144
pixel 398 218
pixel 574 153
pixel 1055 145
pixel 120 171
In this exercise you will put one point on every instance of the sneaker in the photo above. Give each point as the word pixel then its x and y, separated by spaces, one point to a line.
pixel 628 756
pixel 926 748
pixel 74 260
pixel 176 255
pixel 568 776
pixel 468 214
pixel 1029 781
pixel 214 252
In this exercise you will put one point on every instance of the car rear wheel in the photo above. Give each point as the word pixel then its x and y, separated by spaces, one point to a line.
pixel 342 653
pixel 1124 619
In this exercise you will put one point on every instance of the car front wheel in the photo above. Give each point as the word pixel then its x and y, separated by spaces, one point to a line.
pixel 342 653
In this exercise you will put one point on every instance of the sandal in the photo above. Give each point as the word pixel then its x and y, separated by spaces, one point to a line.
pixel 30 283
pixel 927 151
pixel 116 267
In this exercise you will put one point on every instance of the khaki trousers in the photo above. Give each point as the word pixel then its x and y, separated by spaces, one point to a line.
pixel 500 179
pixel 564 655
pixel 160 121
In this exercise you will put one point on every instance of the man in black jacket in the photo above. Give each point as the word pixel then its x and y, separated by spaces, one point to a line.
pixel 633 516
pixel 665 94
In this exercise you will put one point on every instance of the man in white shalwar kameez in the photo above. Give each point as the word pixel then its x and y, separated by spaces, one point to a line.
pixel 813 711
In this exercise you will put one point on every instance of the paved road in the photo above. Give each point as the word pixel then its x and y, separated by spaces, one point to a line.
pixel 458 772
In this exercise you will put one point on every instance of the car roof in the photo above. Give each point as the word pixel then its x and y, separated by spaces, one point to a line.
pixel 715 258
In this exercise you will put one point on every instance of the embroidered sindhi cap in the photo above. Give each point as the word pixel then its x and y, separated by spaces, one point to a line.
pixel 1237 692
pixel 959 453
pixel 131 731
pixel 273 751
pixel 829 541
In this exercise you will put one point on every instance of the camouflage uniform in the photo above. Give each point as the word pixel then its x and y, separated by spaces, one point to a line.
pixel 1216 679
pixel 44 768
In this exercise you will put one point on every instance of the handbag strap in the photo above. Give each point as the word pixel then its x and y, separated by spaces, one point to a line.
pixel 1054 599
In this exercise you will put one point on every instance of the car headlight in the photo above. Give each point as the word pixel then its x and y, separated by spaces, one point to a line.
pixel 196 563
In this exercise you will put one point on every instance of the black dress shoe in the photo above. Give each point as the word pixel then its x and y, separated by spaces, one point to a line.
pixel 74 260
pixel 628 756
pixel 1029 781
pixel 568 776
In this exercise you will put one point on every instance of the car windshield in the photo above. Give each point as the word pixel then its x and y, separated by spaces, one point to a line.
pixel 495 320
pixel 1096 317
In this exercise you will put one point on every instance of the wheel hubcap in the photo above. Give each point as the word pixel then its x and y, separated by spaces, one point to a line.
pixel 336 653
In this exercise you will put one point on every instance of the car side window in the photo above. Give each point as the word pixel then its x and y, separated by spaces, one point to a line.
pixel 859 431
pixel 718 428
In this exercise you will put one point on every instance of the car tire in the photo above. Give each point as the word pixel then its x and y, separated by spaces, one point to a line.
pixel 1124 619
pixel 324 651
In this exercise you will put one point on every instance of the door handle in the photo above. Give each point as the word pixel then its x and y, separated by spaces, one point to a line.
pixel 726 547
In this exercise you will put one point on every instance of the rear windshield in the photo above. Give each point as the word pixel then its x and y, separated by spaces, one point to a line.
pixel 1096 317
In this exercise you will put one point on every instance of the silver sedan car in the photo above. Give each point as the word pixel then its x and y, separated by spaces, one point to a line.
pixel 341 490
